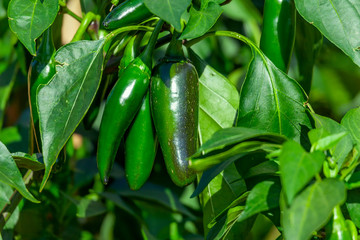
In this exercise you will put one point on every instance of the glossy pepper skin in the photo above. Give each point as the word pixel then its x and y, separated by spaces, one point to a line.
pixel 122 105
pixel 140 147
pixel 174 94
pixel 42 69
pixel 339 228
pixel 278 34
pixel 127 13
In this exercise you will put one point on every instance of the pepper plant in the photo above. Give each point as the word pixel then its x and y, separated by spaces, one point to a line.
pixel 180 119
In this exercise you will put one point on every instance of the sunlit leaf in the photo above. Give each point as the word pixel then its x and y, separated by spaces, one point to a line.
pixel 28 19
pixel 65 100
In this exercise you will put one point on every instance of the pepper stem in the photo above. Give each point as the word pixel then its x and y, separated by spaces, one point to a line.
pixel 175 49
pixel 146 55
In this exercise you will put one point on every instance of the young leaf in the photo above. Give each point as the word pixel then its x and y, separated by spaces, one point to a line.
pixel 168 10
pixel 312 208
pixel 297 168
pixel 218 99
pixel 28 19
pixel 264 196
pixel 271 101
pixel 10 174
pixel 332 19
pixel 201 21
pixel 65 100
pixel 344 146
pixel 328 141
pixel 351 121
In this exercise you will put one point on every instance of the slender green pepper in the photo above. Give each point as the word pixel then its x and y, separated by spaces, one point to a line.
pixel 174 94
pixel 122 105
pixel 140 147
pixel 127 13
pixel 339 229
pixel 278 35
pixel 42 69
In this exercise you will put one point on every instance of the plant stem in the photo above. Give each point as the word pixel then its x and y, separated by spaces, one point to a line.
pixel 71 13
pixel 14 201
pixel 127 29
pixel 89 17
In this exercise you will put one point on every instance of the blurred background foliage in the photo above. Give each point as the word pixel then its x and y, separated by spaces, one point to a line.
pixel 75 204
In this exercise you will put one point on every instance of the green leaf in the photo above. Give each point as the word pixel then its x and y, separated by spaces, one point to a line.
pixel 218 99
pixel 353 206
pixel 230 136
pixel 211 173
pixel 297 168
pixel 220 193
pixel 328 141
pixel 7 80
pixel 332 18
pixel 344 146
pixel 351 121
pixel 10 174
pixel 201 21
pixel 264 196
pixel 168 10
pixel 65 100
pixel 271 101
pixel 312 208
pixel 5 194
pixel 24 160
pixel 119 202
pixel 28 19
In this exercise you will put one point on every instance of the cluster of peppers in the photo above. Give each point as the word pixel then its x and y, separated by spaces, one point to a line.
pixel 149 105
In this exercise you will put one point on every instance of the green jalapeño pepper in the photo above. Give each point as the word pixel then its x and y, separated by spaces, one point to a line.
pixel 42 69
pixel 278 35
pixel 339 228
pixel 127 13
pixel 122 105
pixel 140 147
pixel 174 94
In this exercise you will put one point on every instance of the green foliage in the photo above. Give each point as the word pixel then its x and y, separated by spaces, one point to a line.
pixel 278 152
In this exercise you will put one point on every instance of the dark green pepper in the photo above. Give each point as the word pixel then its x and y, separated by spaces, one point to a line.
pixel 174 94
pixel 278 34
pixel 123 103
pixel 42 69
pixel 127 13
pixel 140 147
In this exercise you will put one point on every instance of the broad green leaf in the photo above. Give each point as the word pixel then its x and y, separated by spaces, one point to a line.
pixel 271 101
pixel 208 175
pixel 65 100
pixel 264 196
pixel 24 160
pixel 337 20
pixel 344 146
pixel 312 208
pixel 353 206
pixel 220 193
pixel 28 19
pixel 267 167
pixel 238 151
pixel 351 121
pixel 10 174
pixel 328 141
pixel 7 80
pixel 230 136
pixel 168 10
pixel 308 42
pixel 201 21
pixel 297 168
pixel 218 99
